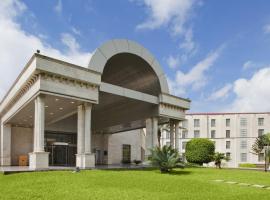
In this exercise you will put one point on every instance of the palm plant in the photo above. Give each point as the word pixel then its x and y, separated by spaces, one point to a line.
pixel 262 143
pixel 218 157
pixel 165 158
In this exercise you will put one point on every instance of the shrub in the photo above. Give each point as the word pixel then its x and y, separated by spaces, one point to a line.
pixel 247 165
pixel 200 150
pixel 165 158
pixel 218 157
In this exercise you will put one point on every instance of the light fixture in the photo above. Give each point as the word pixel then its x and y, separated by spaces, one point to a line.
pixel 72 102
pixel 30 116
pixel 46 106
pixel 51 113
pixel 60 108
pixel 56 99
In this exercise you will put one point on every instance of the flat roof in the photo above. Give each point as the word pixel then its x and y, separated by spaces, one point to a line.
pixel 226 113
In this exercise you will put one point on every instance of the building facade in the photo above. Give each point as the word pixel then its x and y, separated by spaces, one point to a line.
pixel 233 134
pixel 58 113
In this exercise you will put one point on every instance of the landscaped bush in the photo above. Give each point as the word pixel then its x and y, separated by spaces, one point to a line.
pixel 200 150
pixel 165 158
pixel 247 165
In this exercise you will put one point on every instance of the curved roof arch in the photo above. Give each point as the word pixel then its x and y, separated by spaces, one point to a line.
pixel 117 46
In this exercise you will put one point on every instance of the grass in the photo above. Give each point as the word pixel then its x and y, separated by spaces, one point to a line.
pixel 190 183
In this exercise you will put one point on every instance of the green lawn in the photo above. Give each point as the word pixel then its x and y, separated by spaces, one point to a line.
pixel 190 183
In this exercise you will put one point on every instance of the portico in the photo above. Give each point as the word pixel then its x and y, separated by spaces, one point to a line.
pixel 54 103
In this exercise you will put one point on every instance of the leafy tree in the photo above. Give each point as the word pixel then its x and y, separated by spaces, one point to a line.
pixel 218 157
pixel 200 150
pixel 262 143
pixel 165 158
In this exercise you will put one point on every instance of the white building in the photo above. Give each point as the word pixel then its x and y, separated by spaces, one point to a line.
pixel 58 113
pixel 233 133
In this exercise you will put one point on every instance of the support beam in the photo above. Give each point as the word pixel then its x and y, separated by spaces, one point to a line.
pixel 39 159
pixel 5 144
pixel 151 135
pixel 177 135
pixel 84 158
pixel 172 134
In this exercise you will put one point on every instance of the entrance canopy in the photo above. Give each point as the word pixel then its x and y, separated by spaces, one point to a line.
pixel 123 86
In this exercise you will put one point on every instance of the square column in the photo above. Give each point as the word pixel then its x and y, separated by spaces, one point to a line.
pixel 5 144
pixel 84 158
pixel 151 135
pixel 177 134
pixel 39 159
pixel 172 134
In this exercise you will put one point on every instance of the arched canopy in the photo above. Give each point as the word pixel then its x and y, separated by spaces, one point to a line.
pixel 129 53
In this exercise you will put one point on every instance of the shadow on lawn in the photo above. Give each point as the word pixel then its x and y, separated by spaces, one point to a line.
pixel 156 170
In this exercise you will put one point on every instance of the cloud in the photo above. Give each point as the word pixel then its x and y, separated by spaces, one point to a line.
pixel 17 46
pixel 172 13
pixel 221 93
pixel 196 78
pixel 266 29
pixel 58 7
pixel 75 31
pixel 252 95
pixel 173 62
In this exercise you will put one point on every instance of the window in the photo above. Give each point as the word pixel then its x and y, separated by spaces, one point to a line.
pixel 228 155
pixel 243 121
pixel 185 124
pixel 228 144
pixel 228 122
pixel 243 157
pixel 228 133
pixel 261 157
pixel 167 135
pixel 260 132
pixel 184 145
pixel 243 133
pixel 260 121
pixel 184 134
pixel 213 133
pixel 243 144
pixel 168 143
pixel 196 122
pixel 196 134
pixel 126 153
pixel 213 123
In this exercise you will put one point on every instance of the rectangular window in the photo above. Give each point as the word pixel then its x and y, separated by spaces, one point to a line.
pixel 228 155
pixel 185 124
pixel 243 157
pixel 167 135
pixel 260 121
pixel 243 121
pixel 196 134
pixel 126 153
pixel 243 144
pixel 184 145
pixel 243 133
pixel 261 157
pixel 184 134
pixel 168 143
pixel 228 133
pixel 213 134
pixel 196 122
pixel 213 123
pixel 228 122
pixel 260 132
pixel 228 144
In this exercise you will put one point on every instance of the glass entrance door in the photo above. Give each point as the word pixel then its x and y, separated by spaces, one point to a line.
pixel 62 148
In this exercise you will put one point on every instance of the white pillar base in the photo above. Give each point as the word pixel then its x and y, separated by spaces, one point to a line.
pixel 6 161
pixel 85 160
pixel 39 160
